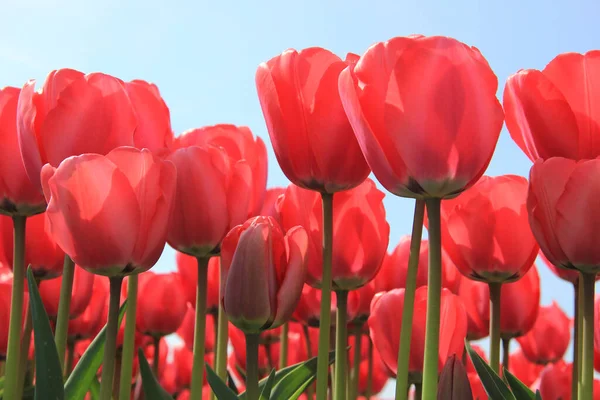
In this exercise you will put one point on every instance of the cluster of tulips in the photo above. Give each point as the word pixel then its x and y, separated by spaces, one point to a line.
pixel 290 292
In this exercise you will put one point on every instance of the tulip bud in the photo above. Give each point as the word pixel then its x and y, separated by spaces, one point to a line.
pixel 454 383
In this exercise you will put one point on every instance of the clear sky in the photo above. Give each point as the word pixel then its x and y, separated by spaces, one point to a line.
pixel 203 54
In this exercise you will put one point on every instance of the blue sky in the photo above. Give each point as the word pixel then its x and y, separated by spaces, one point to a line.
pixel 203 55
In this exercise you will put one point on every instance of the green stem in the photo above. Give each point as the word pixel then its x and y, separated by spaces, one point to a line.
pixel 418 391
pixel 23 361
pixel 110 346
pixel 586 390
pixel 1 368
pixel 309 389
pixel 156 358
pixel 16 310
pixel 252 366
pixel 325 318
pixel 355 375
pixel 341 343
pixel 495 290
pixel 70 357
pixel 505 352
pixel 222 333
pixel 434 294
pixel 128 351
pixel 576 340
pixel 409 302
pixel 200 329
pixel 369 391
pixel 64 306
pixel 283 346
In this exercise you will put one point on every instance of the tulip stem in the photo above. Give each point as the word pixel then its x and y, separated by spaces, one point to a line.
pixel 252 340
pixel 409 301
pixel 16 310
pixel 505 352
pixel 309 389
pixel 110 346
pixel 129 339
pixel 64 306
pixel 495 290
pixel 418 391
pixel 200 329
pixel 223 338
pixel 156 358
pixel 355 374
pixel 325 317
pixel 577 288
pixel 70 357
pixel 25 343
pixel 434 294
pixel 283 346
pixel 586 389
pixel 341 343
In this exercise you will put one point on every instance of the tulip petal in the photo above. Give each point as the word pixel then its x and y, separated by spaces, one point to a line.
pixel 26 129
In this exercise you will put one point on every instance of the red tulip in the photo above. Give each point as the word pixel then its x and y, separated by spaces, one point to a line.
pixel 5 300
pixel 519 304
pixel 110 213
pixel 163 353
pixel 416 144
pixel 550 336
pixel 41 252
pixel 161 312
pixel 596 334
pixel 187 266
pixel 562 196
pixel 552 113
pixel 568 275
pixel 385 324
pixel 56 122
pixel 312 138
pixel 555 381
pixel 91 321
pixel 486 230
pixel 239 144
pixel 269 208
pixel 83 283
pixel 187 326
pixel 18 195
pixel 359 229
pixel 153 129
pixel 395 268
pixel 380 371
pixel 308 310
pixel 522 368
pixel 183 359
pixel 263 273
pixel 213 195
pixel 362 308
pixel 477 388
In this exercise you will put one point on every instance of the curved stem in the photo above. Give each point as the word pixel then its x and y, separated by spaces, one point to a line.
pixel 309 389
pixel 252 366
pixel 64 306
pixel 16 310
pixel 505 352
pixel 110 346
pixel 370 372
pixel 495 290
pixel 341 342
pixel 200 329
pixel 128 351
pixel 434 294
pixel 325 318
pixel 355 375
pixel 586 390
pixel 283 346
pixel 578 297
pixel 409 301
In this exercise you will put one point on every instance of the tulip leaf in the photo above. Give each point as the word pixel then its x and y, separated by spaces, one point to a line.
pixel 494 386
pixel 266 391
pixel 231 383
pixel 538 396
pixel 152 389
pixel 48 373
pixel 83 375
pixel 220 388
pixel 520 390
pixel 95 389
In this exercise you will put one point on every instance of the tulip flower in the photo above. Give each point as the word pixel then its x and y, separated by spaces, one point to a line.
pixel 555 381
pixel 5 295
pixel 269 208
pixel 363 355
pixel 525 370
pixel 186 330
pixel 308 310
pixel 359 312
pixel 83 283
pixel 90 322
pixel 548 112
pixel 548 340
pixel 187 266
pixel 479 392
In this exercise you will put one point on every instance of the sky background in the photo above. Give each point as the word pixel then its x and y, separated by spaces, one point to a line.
pixel 203 55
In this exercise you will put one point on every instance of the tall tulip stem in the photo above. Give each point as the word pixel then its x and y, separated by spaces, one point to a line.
pixel 586 389
pixel 16 310
pixel 505 352
pixel 222 339
pixel 70 357
pixel 110 346
pixel 156 358
pixel 355 374
pixel 309 389
pixel 252 341
pixel 25 343
pixel 129 339
pixel 200 329
pixel 283 346
pixel 578 297
pixel 434 294
pixel 64 306
pixel 370 372
pixel 495 290
pixel 409 302
pixel 341 343
pixel 325 318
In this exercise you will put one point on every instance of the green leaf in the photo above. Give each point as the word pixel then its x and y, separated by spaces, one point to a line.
pixel 220 388
pixel 152 389
pixel 48 373
pixel 266 392
pixel 231 383
pixel 84 373
pixel 95 389
pixel 494 386
pixel 538 396
pixel 520 390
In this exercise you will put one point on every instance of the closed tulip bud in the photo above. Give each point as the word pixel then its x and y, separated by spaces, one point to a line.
pixel 454 383
pixel 550 336
pixel 525 370
pixel 263 273
pixel 81 295
pixel 187 266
